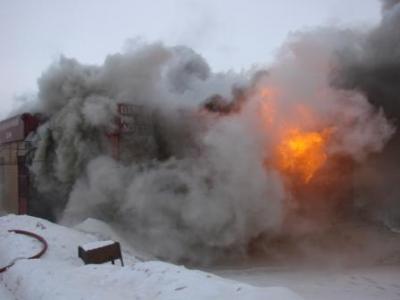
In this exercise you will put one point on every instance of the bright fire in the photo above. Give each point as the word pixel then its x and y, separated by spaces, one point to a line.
pixel 301 153
pixel 298 153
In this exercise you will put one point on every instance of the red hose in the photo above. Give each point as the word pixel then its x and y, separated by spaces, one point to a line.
pixel 33 235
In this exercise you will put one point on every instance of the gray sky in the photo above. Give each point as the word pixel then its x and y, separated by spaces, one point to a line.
pixel 230 34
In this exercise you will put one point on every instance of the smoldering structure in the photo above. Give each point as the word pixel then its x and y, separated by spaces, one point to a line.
pixel 227 159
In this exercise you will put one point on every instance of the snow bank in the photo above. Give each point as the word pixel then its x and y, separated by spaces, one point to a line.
pixel 60 274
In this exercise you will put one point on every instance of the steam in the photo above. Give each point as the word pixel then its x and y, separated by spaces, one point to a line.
pixel 195 187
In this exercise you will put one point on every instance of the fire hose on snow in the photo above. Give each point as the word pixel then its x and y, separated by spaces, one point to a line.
pixel 37 255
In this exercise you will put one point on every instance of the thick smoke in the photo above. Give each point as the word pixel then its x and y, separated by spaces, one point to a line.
pixel 202 183
pixel 192 201
pixel 371 66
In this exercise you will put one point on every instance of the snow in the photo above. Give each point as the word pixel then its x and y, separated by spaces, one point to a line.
pixel 60 274
pixel 5 293
pixel 96 245
pixel 368 283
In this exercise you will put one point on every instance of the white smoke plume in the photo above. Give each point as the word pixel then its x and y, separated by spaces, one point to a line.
pixel 198 187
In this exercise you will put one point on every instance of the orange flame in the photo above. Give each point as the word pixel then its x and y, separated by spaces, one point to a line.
pixel 302 153
pixel 298 153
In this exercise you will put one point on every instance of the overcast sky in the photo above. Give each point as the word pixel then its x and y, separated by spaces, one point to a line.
pixel 229 34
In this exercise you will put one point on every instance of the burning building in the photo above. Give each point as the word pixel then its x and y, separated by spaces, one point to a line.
pixel 254 154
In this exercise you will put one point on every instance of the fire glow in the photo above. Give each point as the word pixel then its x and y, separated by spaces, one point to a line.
pixel 298 153
pixel 301 153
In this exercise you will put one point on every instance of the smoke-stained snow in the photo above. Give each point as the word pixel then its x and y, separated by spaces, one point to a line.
pixel 200 189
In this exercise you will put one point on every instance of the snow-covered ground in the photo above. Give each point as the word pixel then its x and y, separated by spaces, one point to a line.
pixel 5 294
pixel 326 284
pixel 60 274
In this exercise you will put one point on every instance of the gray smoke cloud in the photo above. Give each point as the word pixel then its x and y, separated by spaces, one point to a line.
pixel 202 183
pixel 195 203
pixel 389 4
pixel 371 65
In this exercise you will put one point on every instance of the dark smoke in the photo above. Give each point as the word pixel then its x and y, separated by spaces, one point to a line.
pixel 372 67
